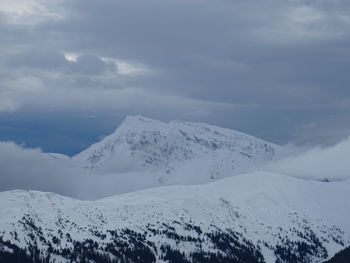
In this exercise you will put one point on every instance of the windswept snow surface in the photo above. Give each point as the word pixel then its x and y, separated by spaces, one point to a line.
pixel 269 216
pixel 178 152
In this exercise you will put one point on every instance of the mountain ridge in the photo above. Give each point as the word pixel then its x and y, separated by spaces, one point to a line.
pixel 254 216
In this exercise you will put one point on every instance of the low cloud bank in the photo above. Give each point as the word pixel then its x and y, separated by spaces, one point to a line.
pixel 328 164
pixel 23 168
pixel 31 169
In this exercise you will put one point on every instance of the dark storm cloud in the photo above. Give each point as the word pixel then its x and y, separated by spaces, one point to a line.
pixel 274 69
pixel 227 51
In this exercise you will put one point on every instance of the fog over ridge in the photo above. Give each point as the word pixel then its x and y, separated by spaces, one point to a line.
pixel 25 168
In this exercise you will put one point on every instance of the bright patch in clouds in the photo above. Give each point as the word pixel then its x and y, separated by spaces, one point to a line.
pixel 30 11
pixel 71 57
pixel 126 68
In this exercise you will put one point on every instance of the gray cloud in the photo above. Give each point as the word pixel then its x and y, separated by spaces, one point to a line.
pixel 275 69
pixel 31 169
pixel 316 164
pixel 89 65
pixel 38 58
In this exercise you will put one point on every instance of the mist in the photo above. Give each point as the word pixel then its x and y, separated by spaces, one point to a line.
pixel 319 163
pixel 32 169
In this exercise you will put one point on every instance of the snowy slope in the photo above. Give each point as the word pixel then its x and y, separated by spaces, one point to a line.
pixel 256 217
pixel 179 152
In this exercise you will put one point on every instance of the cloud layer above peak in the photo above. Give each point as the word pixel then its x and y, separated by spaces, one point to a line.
pixel 277 70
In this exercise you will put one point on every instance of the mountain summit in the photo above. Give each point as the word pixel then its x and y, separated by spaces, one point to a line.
pixel 179 152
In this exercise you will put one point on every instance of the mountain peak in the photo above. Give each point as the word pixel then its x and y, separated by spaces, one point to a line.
pixel 169 151
pixel 139 119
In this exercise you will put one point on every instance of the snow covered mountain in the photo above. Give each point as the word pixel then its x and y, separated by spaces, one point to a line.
pixel 256 217
pixel 251 217
pixel 178 152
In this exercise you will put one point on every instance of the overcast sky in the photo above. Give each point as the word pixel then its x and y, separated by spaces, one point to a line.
pixel 71 70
